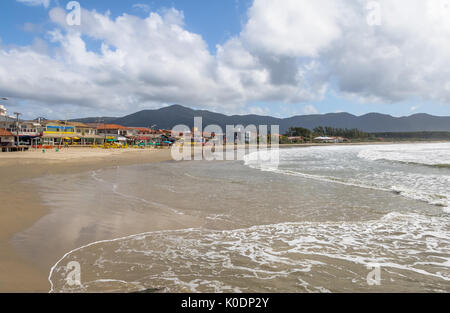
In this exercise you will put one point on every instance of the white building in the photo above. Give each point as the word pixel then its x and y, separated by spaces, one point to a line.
pixel 329 139
pixel 3 115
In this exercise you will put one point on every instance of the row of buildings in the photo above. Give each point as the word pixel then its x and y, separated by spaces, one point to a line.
pixel 49 133
pixel 320 139
pixel 16 134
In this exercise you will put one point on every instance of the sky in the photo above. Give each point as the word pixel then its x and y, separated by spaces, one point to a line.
pixel 268 57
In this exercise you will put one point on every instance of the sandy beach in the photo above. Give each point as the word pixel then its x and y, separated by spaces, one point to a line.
pixel 93 196
pixel 314 223
pixel 21 206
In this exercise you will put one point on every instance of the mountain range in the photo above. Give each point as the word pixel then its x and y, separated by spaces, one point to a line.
pixel 168 117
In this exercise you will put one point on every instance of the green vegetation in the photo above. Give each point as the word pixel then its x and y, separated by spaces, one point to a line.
pixel 356 135
pixel 299 131
pixel 342 132
pixel 425 135
pixel 308 135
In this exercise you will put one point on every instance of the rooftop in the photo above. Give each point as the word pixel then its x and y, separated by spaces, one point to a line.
pixel 111 126
pixel 5 133
pixel 142 129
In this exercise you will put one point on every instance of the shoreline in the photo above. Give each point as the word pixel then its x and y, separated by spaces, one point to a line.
pixel 22 206
pixel 362 143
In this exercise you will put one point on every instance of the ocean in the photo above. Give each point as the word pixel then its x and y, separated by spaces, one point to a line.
pixel 345 218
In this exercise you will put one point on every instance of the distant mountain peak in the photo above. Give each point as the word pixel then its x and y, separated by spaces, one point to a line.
pixel 176 107
pixel 421 115
pixel 176 114
pixel 375 114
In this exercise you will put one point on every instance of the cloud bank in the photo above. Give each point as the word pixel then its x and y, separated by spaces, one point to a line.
pixel 45 3
pixel 290 51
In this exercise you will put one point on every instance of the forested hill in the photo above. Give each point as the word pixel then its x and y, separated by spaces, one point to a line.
pixel 168 117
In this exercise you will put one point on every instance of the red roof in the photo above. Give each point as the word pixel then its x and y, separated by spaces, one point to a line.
pixel 143 138
pixel 5 133
pixel 111 126
pixel 142 129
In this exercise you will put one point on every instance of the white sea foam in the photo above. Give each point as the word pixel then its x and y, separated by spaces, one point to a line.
pixel 355 166
pixel 199 260
pixel 413 249
pixel 427 154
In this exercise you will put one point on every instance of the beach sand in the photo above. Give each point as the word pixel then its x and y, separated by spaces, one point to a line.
pixel 21 205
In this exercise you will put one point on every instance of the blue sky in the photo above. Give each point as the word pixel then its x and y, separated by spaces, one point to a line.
pixel 241 56
pixel 215 20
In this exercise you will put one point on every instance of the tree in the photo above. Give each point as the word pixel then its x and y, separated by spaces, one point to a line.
pixel 299 132
pixel 319 131
pixel 340 132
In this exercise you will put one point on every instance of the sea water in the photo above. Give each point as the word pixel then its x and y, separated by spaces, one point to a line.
pixel 323 220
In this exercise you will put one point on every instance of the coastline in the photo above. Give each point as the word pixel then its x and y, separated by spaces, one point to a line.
pixel 22 207
pixel 326 227
pixel 362 143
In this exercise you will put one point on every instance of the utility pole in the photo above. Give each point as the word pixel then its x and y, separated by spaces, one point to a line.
pixel 104 130
pixel 17 127
pixel 100 121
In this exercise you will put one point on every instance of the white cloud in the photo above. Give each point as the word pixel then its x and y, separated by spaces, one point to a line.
pixel 45 3
pixel 309 109
pixel 32 28
pixel 143 63
pixel 405 57
pixel 142 6
pixel 257 110
pixel 293 28
pixel 150 60
pixel 288 52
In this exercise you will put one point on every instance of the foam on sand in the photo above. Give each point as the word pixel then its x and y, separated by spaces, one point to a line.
pixel 413 250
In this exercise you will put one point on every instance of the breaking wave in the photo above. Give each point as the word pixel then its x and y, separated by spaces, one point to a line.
pixel 356 166
pixel 289 257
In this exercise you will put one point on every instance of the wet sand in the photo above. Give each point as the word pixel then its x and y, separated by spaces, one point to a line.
pixel 314 224
pixel 21 205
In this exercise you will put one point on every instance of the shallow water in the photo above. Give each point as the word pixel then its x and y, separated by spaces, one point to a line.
pixel 320 221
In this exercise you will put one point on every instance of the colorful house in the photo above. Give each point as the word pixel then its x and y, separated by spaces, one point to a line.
pixel 56 133
pixel 6 139
pixel 142 135
pixel 114 132
pixel 86 135
pixel 26 131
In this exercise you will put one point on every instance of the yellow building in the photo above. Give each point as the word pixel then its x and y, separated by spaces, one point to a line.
pixel 69 133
